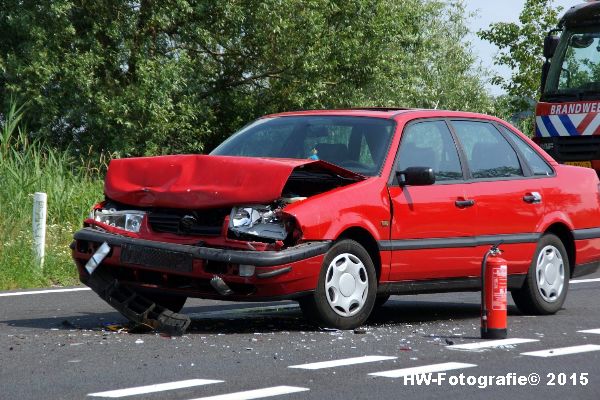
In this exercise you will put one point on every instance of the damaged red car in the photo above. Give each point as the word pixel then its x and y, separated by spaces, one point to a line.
pixel 339 210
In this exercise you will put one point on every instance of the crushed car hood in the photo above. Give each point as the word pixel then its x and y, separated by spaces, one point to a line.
pixel 204 181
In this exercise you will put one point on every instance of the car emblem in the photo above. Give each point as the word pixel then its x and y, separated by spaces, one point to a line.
pixel 186 223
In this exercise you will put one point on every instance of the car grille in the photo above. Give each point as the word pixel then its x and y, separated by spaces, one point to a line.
pixel 181 222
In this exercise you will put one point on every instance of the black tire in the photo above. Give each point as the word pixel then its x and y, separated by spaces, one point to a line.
pixel 381 299
pixel 172 302
pixel 349 256
pixel 530 298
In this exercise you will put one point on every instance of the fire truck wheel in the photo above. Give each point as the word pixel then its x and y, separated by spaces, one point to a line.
pixel 547 281
pixel 346 290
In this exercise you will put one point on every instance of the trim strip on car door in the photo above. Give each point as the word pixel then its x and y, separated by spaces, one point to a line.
pixel 590 233
pixel 454 242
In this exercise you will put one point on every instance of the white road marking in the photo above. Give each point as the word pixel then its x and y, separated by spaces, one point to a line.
pixel 585 280
pixel 595 331
pixel 562 351
pixel 490 343
pixel 425 369
pixel 345 361
pixel 256 394
pixel 159 387
pixel 44 291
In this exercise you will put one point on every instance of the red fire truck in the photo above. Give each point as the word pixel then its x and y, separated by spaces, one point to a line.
pixel 567 122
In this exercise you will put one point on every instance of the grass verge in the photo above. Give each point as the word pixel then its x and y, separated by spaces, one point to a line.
pixel 72 186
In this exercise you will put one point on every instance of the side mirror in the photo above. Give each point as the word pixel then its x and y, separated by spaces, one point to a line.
pixel 416 176
pixel 550 44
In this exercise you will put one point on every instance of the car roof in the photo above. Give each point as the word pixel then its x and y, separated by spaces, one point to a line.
pixel 386 113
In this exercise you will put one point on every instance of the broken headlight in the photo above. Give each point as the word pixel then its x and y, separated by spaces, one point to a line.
pixel 260 221
pixel 130 220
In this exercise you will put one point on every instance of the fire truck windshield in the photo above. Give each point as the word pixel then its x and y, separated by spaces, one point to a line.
pixel 575 68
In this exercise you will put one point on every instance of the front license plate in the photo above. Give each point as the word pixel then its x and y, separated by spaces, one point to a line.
pixel 156 258
pixel 586 164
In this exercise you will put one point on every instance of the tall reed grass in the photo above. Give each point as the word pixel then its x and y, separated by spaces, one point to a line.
pixel 72 185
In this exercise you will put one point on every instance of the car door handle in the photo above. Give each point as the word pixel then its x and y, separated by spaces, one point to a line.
pixel 532 198
pixel 464 203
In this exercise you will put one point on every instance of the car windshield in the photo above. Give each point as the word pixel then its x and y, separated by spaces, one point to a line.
pixel 359 144
pixel 575 69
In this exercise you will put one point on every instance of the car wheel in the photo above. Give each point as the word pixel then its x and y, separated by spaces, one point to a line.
pixel 547 281
pixel 173 303
pixel 346 289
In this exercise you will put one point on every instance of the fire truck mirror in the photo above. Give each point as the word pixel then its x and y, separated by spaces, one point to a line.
pixel 550 43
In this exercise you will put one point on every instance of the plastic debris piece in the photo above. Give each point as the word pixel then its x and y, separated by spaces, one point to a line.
pixel 114 327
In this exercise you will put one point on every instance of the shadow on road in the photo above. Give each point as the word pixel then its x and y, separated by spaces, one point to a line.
pixel 266 317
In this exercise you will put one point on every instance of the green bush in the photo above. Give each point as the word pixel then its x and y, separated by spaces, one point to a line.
pixel 150 77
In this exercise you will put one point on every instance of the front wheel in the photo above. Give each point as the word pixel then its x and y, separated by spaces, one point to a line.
pixel 346 290
pixel 547 282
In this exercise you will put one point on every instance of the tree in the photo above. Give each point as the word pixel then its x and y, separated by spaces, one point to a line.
pixel 151 77
pixel 520 47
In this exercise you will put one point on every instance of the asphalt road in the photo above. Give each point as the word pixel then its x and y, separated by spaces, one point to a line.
pixel 58 345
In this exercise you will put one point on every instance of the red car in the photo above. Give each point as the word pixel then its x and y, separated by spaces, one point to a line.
pixel 338 210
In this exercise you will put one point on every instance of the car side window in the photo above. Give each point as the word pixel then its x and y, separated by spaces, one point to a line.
pixel 537 164
pixel 488 153
pixel 430 144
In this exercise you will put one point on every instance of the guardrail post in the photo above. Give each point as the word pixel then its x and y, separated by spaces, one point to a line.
pixel 39 226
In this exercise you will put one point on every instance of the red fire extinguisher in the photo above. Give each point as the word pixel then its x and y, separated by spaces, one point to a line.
pixel 493 295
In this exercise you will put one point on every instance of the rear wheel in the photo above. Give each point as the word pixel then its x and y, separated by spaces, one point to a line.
pixel 346 290
pixel 547 281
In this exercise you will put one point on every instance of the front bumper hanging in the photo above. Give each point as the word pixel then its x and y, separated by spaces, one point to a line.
pixel 257 258
pixel 134 307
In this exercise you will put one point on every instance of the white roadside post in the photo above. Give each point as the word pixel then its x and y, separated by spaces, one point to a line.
pixel 40 201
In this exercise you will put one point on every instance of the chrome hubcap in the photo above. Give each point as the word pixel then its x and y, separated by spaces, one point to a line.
pixel 550 274
pixel 346 285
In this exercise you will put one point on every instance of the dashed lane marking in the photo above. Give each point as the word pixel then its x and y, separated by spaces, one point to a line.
pixel 490 344
pixel 159 387
pixel 563 351
pixel 585 280
pixel 425 369
pixel 44 291
pixel 595 331
pixel 342 362
pixel 257 394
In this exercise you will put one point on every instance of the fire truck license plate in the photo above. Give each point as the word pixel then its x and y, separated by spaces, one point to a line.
pixel 586 164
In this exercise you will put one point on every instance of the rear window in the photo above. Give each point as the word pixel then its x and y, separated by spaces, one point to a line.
pixel 537 164
pixel 488 153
